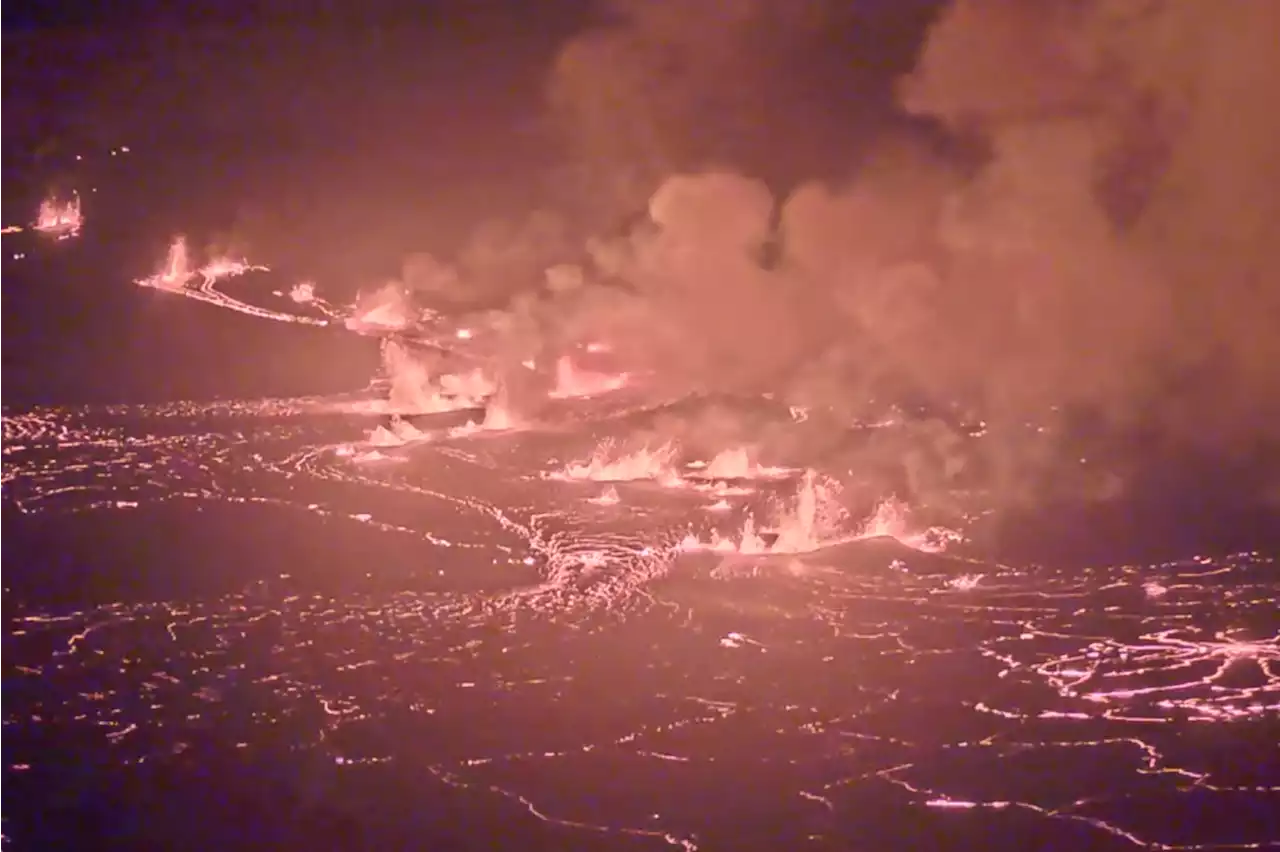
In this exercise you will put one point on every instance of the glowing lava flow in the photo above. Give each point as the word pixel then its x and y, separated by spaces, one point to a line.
pixel 1113 675
pixel 223 268
pixel 859 681
pixel 304 293
pixel 178 276
pixel 60 220
pixel 575 383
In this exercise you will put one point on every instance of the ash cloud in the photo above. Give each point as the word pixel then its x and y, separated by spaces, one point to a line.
pixel 1066 213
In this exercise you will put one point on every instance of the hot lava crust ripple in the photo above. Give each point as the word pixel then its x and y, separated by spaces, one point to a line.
pixel 510 626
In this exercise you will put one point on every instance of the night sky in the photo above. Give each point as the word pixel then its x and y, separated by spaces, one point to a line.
pixel 311 74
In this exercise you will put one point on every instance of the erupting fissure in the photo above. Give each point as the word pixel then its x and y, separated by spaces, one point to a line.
pixel 179 275
pixel 816 519
pixel 63 220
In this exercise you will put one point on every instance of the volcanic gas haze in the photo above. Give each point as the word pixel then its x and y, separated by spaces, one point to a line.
pixel 1055 224
pixel 1146 245
pixel 1008 236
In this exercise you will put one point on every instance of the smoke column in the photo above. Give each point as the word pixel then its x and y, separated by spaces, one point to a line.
pixel 1154 237
pixel 1046 215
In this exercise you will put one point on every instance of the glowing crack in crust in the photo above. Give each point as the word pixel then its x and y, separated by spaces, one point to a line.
pixel 1082 670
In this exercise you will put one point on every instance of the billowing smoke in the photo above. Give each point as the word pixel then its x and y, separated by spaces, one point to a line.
pixel 1067 218
pixel 1116 255
pixel 678 86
